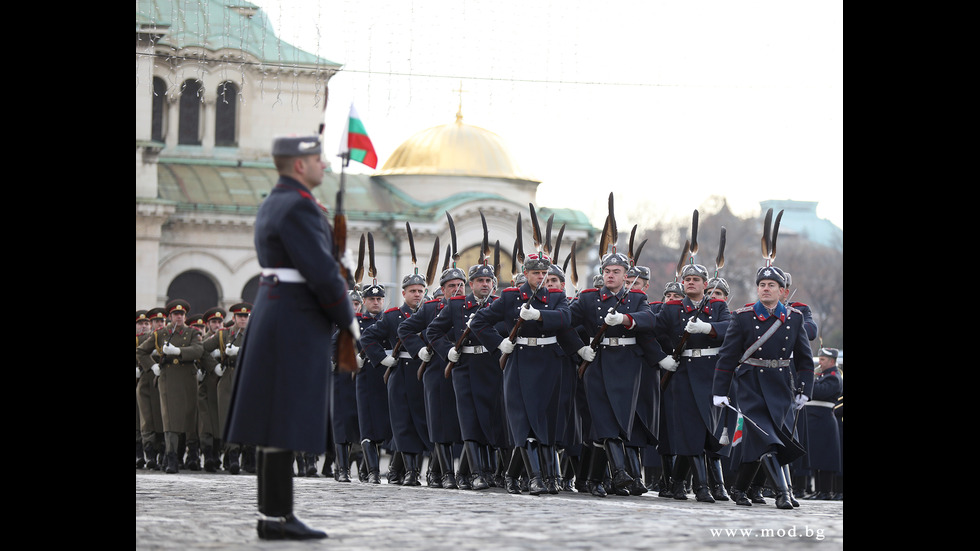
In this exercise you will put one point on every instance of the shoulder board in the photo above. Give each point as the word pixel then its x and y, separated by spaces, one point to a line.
pixel 433 300
pixel 458 297
pixel 747 308
pixel 656 302
pixel 511 290
pixel 395 309
pixel 798 304
pixel 637 291
pixel 593 290
pixel 791 309
pixel 674 302
pixel 556 290
pixel 717 300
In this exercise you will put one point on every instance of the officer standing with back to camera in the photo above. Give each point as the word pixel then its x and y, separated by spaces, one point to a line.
pixel 282 385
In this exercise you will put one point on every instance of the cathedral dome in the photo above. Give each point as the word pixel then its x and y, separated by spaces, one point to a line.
pixel 455 149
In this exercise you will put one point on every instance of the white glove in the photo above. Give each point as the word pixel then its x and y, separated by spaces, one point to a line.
pixel 801 401
pixel 360 361
pixel 587 353
pixel 389 361
pixel 347 260
pixel 425 355
pixel 698 326
pixel 219 370
pixel 156 369
pixel 355 329
pixel 453 355
pixel 614 318
pixel 216 353
pixel 469 320
pixel 668 364
pixel 530 313
pixel 720 401
pixel 171 350
pixel 200 375
pixel 231 350
pixel 506 346
pixel 137 372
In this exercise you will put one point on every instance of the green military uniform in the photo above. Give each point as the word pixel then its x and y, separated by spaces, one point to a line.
pixel 207 395
pixel 148 402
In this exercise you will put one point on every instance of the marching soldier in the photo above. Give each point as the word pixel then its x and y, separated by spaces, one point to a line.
pixel 209 421
pixel 476 377
pixel 823 451
pixel 442 420
pixel 373 419
pixel 612 379
pixel 532 374
pixel 767 353
pixel 142 332
pixel 406 400
pixel 692 433
pixel 343 412
pixel 224 346
pixel 179 346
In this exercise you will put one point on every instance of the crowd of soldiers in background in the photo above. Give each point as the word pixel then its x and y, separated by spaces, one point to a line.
pixel 195 442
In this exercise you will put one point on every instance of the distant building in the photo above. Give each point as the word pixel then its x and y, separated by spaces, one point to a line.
pixel 800 220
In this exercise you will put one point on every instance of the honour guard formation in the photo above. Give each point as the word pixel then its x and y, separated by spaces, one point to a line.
pixel 474 380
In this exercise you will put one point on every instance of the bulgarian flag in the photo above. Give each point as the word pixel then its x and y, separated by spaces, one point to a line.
pixel 355 143
pixel 739 425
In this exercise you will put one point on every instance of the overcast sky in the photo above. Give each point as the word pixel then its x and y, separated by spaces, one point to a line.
pixel 666 103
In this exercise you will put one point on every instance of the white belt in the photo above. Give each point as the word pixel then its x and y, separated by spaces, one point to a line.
pixel 536 341
pixel 617 341
pixel 759 362
pixel 285 275
pixel 700 352
pixel 820 403
pixel 401 354
pixel 473 350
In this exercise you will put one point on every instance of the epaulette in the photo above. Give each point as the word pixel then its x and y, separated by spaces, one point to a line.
pixel 556 290
pixel 637 291
pixel 746 308
pixel 798 304
pixel 511 290
pixel 593 290
pixel 433 300
pixel 675 301
pixel 392 309
pixel 717 300
pixel 458 297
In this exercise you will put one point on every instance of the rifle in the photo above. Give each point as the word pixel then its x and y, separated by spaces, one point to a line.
pixel 536 236
pixel 346 342
pixel 516 258
pixel 610 235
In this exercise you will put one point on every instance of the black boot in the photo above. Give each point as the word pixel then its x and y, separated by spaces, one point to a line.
pixel 549 468
pixel 597 471
pixel 699 470
pixel 532 462
pixel 342 473
pixel 372 461
pixel 140 460
pixel 667 462
pixel 193 460
pixel 172 466
pixel 248 458
pixel 743 480
pixel 210 460
pixel 513 472
pixel 300 464
pixel 584 471
pixel 616 454
pixel 474 456
pixel 231 456
pixel 755 489
pixel 151 457
pixel 444 452
pixel 412 468
pixel 275 489
pixel 396 468
pixel 775 471
pixel 433 472
pixel 310 460
pixel 636 471
pixel 716 479
pixel 789 478
pixel 682 466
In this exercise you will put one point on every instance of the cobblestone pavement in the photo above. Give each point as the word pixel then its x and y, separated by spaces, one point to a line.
pixel 217 511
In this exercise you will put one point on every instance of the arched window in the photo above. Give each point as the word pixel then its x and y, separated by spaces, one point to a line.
pixel 225 112
pixel 189 127
pixel 159 109
pixel 196 288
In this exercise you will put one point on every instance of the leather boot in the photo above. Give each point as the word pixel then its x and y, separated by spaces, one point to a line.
pixel 172 466
pixel 433 472
pixel 549 468
pixel 682 466
pixel 231 456
pixel 463 474
pixel 210 462
pixel 444 452
pixel 584 471
pixel 775 471
pixel 275 490
pixel 300 464
pixel 342 473
pixel 532 462
pixel 151 457
pixel 597 470
pixel 716 479
pixel 474 457
pixel 667 462
pixel 193 460
pixel 310 460
pixel 743 479
pixel 372 461
pixel 248 458
pixel 755 489
pixel 616 454
pixel 513 472
pixel 789 478
pixel 140 460
pixel 412 468
pixel 699 470
pixel 636 471
pixel 396 469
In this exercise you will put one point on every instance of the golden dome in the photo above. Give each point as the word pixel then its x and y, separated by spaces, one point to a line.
pixel 454 150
